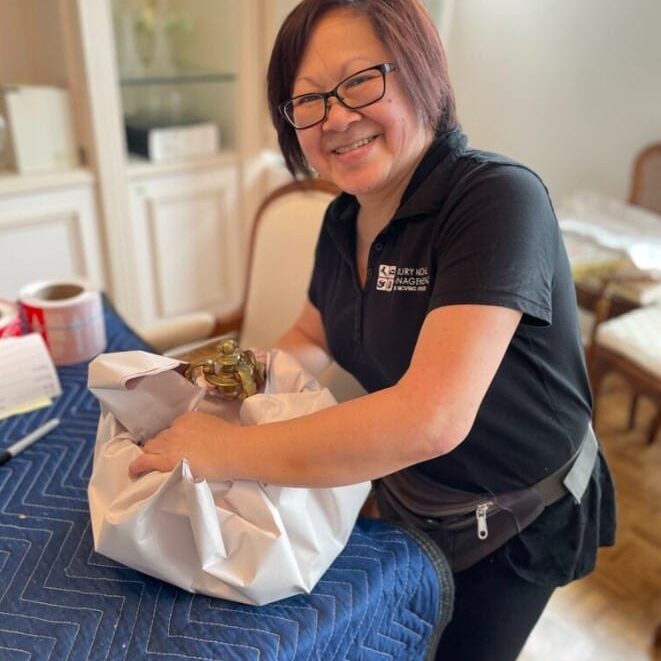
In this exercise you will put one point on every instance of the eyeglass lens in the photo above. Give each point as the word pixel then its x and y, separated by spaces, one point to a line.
pixel 355 92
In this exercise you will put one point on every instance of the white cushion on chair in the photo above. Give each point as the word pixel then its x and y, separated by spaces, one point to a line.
pixel 281 265
pixel 635 335
pixel 282 258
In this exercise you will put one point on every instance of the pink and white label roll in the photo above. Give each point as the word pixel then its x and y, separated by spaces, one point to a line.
pixel 69 316
pixel 10 320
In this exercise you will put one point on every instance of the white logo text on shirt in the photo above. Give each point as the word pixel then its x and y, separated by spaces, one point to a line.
pixel 402 278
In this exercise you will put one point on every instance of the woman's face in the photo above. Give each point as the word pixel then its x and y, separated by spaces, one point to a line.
pixel 365 152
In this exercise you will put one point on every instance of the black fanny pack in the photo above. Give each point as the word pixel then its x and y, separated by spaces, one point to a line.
pixel 469 526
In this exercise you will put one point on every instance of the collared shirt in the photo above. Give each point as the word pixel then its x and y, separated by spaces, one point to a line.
pixel 472 228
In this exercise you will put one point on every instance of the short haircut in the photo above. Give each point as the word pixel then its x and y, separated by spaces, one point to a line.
pixel 404 27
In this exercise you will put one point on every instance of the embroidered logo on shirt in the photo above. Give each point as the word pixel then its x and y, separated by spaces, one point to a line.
pixel 386 278
pixel 402 278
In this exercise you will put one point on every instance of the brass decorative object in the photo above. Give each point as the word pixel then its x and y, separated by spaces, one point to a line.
pixel 235 373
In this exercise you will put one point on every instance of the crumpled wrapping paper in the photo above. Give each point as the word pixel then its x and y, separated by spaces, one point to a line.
pixel 240 540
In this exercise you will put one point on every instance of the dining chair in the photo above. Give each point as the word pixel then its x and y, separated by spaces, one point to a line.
pixel 645 192
pixel 281 256
pixel 629 345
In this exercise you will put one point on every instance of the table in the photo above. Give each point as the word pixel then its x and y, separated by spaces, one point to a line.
pixel 387 596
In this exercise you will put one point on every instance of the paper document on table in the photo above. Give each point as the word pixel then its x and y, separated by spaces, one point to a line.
pixel 28 374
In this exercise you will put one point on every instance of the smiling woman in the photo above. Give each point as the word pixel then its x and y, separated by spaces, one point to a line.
pixel 364 132
pixel 434 100
pixel 441 283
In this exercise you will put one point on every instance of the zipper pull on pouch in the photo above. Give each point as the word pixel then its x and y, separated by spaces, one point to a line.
pixel 481 516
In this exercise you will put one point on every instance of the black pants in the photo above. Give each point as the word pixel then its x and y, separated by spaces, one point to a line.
pixel 494 612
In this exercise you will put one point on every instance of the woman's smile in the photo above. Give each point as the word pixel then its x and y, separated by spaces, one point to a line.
pixel 354 145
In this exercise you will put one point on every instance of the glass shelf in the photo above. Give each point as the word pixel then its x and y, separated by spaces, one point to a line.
pixel 179 78
pixel 177 63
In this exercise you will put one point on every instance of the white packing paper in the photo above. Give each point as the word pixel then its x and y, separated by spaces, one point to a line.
pixel 239 540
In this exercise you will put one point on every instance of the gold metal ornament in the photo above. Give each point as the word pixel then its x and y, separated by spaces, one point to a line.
pixel 235 373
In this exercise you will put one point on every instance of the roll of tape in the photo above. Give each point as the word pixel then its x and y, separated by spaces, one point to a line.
pixel 10 320
pixel 69 316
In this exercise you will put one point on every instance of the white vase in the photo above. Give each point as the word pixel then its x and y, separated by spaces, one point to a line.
pixel 129 62
pixel 161 61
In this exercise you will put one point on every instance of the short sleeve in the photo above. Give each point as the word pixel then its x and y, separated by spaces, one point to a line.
pixel 499 244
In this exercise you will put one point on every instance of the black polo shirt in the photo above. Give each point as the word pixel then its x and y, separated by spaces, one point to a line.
pixel 472 228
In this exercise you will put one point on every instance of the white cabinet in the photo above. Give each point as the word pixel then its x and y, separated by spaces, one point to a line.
pixel 162 238
pixel 51 232
pixel 179 229
pixel 186 236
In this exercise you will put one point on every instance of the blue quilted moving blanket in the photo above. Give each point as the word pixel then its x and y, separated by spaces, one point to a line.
pixel 387 596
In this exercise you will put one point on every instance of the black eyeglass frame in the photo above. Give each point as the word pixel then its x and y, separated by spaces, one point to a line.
pixel 382 68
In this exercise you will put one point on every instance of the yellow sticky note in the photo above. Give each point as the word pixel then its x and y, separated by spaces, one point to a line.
pixel 26 408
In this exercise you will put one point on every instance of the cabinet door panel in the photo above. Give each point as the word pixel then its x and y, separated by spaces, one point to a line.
pixel 189 226
pixel 188 236
pixel 50 235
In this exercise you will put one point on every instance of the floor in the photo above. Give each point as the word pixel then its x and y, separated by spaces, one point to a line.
pixel 612 614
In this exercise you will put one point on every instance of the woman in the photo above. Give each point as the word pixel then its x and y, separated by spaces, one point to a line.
pixel 442 284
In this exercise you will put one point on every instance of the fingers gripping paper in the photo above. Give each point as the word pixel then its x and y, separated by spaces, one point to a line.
pixel 245 541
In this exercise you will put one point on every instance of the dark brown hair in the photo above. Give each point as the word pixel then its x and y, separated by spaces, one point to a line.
pixel 404 27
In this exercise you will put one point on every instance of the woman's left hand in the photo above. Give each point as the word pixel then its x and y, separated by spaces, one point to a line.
pixel 198 437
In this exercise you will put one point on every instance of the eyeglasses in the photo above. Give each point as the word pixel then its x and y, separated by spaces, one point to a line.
pixel 361 89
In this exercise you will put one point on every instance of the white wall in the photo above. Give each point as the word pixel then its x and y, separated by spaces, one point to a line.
pixel 570 87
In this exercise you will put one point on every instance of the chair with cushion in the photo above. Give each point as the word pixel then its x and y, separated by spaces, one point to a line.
pixel 622 344
pixel 284 237
pixel 630 345
pixel 281 253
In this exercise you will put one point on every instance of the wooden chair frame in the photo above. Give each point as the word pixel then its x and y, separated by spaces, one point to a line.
pixel 636 192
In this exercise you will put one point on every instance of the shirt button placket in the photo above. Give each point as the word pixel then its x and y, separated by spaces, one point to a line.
pixel 376 248
pixel 357 322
